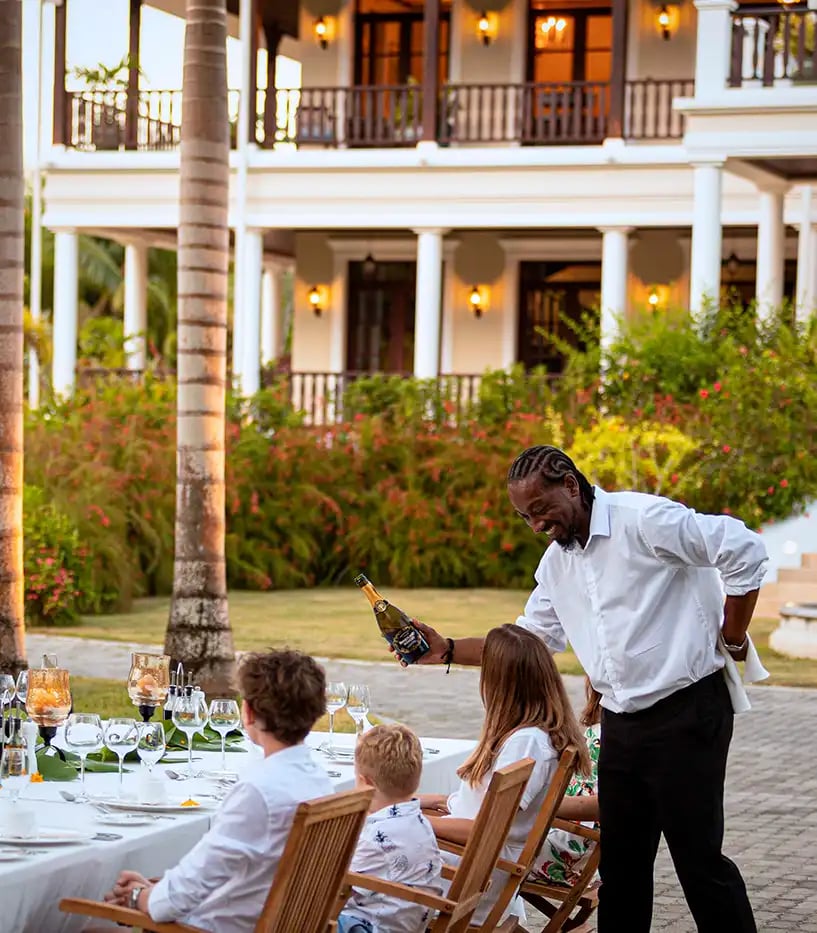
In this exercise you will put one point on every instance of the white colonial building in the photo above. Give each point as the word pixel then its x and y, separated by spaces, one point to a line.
pixel 454 176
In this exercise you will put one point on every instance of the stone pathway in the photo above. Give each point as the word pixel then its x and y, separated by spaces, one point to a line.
pixel 771 800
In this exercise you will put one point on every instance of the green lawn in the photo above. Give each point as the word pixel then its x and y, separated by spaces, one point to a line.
pixel 337 623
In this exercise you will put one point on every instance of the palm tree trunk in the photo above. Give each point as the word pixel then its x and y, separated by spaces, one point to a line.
pixel 12 586
pixel 198 631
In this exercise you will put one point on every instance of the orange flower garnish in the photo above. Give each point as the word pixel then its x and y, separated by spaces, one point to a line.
pixel 37 778
pixel 191 803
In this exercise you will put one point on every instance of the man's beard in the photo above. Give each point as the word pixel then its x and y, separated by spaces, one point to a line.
pixel 570 541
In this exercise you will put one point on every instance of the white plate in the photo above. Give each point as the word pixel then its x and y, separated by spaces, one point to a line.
pixel 126 819
pixel 46 837
pixel 134 807
pixel 10 855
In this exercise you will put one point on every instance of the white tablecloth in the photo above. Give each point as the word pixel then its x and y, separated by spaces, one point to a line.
pixel 31 888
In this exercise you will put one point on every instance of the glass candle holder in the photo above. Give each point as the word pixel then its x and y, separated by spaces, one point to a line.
pixel 48 700
pixel 148 682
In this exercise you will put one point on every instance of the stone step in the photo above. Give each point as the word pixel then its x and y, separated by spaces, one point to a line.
pixel 797 575
pixel 810 561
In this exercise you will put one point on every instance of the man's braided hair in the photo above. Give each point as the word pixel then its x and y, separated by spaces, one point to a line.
pixel 552 466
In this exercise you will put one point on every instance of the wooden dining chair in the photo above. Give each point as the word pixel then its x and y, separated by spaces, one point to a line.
pixel 308 889
pixel 517 870
pixel 558 902
pixel 471 878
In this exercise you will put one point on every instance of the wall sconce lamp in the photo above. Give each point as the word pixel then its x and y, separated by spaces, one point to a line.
pixel 324 31
pixel 486 27
pixel 316 300
pixel 658 297
pixel 653 298
pixel 732 266
pixel 476 301
pixel 666 20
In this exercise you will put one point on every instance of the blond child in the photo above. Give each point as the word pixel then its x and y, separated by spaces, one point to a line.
pixel 397 842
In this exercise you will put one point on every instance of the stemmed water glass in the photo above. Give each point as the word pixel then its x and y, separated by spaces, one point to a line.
pixel 121 737
pixel 189 715
pixel 83 735
pixel 7 689
pixel 357 704
pixel 151 745
pixel 224 716
pixel 21 688
pixel 336 694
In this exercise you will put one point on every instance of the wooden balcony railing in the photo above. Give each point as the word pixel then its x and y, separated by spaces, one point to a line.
pixel 573 113
pixel 773 45
pixel 648 113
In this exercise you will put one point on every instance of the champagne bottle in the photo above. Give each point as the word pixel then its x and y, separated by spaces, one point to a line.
pixel 395 626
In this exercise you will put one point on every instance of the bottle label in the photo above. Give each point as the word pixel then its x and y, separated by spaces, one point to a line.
pixel 409 643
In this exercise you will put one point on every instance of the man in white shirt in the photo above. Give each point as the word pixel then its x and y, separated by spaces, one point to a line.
pixel 221 885
pixel 636 585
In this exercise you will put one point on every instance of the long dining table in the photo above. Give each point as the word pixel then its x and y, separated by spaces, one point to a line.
pixel 34 876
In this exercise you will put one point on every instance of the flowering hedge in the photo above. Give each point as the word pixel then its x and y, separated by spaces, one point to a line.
pixel 413 500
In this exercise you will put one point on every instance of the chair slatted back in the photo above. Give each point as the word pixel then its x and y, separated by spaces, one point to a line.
pixel 308 891
pixel 487 837
pixel 538 834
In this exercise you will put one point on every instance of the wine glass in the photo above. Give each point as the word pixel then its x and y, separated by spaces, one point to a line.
pixel 189 715
pixel 121 737
pixel 21 688
pixel 336 694
pixel 83 735
pixel 14 770
pixel 7 689
pixel 224 716
pixel 151 745
pixel 357 704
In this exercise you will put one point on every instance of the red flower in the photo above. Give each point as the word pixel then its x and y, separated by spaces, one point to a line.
pixel 507 546
pixel 674 478
pixel 727 511
pixel 784 483
pixel 726 448
pixel 717 387
pixel 770 490
pixel 704 393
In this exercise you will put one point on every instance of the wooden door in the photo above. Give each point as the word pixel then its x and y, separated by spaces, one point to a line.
pixel 380 322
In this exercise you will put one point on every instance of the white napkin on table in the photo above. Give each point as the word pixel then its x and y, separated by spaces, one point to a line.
pixel 753 671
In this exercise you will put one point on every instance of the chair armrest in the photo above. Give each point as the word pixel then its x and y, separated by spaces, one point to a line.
pixel 135 919
pixel 449 872
pixel 453 847
pixel 401 891
pixel 577 829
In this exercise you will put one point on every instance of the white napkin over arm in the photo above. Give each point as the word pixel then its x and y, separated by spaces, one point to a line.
pixel 753 672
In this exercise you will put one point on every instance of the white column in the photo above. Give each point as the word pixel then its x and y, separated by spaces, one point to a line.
pixel 771 238
pixel 272 316
pixel 136 307
pixel 428 298
pixel 705 264
pixel 66 309
pixel 806 293
pixel 614 271
pixel 250 314
pixel 714 46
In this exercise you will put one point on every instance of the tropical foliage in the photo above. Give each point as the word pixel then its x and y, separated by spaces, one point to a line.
pixel 412 488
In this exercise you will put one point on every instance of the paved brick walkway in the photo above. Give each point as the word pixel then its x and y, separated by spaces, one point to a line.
pixel 771 799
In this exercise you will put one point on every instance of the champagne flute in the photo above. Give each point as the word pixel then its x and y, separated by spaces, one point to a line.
pixel 336 694
pixel 83 735
pixel 357 705
pixel 121 737
pixel 189 715
pixel 151 745
pixel 224 716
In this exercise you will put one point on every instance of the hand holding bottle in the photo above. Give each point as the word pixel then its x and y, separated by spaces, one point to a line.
pixel 437 645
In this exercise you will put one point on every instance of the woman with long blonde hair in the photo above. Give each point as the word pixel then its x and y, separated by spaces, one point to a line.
pixel 527 715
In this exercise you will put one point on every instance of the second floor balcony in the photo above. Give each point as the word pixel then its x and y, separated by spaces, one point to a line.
pixel 533 113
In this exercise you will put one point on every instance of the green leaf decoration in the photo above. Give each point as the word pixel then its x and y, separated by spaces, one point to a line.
pixel 53 768
pixel 94 765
